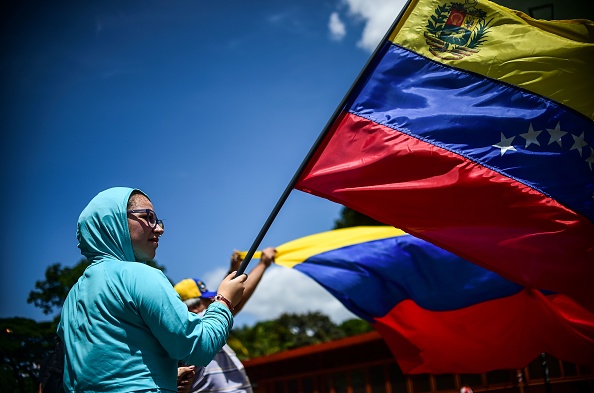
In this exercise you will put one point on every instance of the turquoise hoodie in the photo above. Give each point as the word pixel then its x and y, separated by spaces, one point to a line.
pixel 123 325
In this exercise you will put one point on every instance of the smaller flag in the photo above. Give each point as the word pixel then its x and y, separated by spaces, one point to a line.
pixel 437 312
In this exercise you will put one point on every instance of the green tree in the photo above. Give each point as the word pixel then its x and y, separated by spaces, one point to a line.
pixel 352 327
pixel 49 294
pixel 313 328
pixel 291 331
pixel 352 218
pixel 23 344
pixel 286 332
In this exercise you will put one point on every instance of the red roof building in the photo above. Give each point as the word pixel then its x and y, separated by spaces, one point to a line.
pixel 364 364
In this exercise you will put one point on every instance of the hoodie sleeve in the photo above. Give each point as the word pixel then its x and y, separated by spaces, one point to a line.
pixel 182 334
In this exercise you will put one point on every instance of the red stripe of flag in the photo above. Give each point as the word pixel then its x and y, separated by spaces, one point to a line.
pixel 455 203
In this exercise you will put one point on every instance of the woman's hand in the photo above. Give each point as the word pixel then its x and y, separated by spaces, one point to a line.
pixel 232 288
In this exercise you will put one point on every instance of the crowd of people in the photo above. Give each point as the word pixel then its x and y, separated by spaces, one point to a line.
pixel 124 327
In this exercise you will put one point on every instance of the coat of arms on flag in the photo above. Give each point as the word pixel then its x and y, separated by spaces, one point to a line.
pixel 456 30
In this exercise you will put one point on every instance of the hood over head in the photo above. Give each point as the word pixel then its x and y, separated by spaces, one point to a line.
pixel 102 229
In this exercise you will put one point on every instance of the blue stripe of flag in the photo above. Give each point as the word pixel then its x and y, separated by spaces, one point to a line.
pixel 476 117
pixel 371 278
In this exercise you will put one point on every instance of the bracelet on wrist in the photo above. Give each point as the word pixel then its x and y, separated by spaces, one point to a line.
pixel 222 298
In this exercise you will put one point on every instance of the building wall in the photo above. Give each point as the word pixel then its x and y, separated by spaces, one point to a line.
pixel 364 364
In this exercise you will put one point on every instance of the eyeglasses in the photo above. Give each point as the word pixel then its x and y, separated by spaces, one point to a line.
pixel 151 217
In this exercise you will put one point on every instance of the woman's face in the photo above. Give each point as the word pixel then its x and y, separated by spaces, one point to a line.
pixel 145 238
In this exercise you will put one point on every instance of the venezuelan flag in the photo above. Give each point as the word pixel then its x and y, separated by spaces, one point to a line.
pixel 472 128
pixel 437 312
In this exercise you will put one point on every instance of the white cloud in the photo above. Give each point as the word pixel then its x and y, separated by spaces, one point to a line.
pixel 280 18
pixel 377 16
pixel 213 278
pixel 337 28
pixel 284 290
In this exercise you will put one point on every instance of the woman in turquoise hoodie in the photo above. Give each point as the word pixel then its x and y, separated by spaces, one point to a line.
pixel 123 325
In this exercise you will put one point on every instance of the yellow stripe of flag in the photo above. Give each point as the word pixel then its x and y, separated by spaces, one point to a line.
pixel 297 251
pixel 550 58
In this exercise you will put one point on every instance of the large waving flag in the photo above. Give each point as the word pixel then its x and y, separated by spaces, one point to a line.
pixel 437 312
pixel 472 128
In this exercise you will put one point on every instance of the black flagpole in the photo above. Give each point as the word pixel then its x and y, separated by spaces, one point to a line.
pixel 313 149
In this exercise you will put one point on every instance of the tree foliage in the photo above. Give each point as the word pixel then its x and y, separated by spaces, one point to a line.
pixel 49 294
pixel 355 326
pixel 291 331
pixel 352 218
pixel 24 343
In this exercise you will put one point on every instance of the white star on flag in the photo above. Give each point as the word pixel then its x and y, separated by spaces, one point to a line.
pixel 531 136
pixel 578 143
pixel 556 134
pixel 505 144
pixel 590 160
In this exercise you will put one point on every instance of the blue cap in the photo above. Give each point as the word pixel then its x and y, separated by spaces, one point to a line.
pixel 191 288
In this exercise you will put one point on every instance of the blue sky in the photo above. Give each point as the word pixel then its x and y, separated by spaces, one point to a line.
pixel 209 107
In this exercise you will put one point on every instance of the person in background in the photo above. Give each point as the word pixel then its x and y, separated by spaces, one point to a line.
pixel 123 326
pixel 225 373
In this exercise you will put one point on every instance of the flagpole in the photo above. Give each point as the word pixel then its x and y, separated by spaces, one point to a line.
pixel 314 147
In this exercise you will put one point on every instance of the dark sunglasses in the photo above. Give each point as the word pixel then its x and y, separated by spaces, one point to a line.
pixel 151 217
